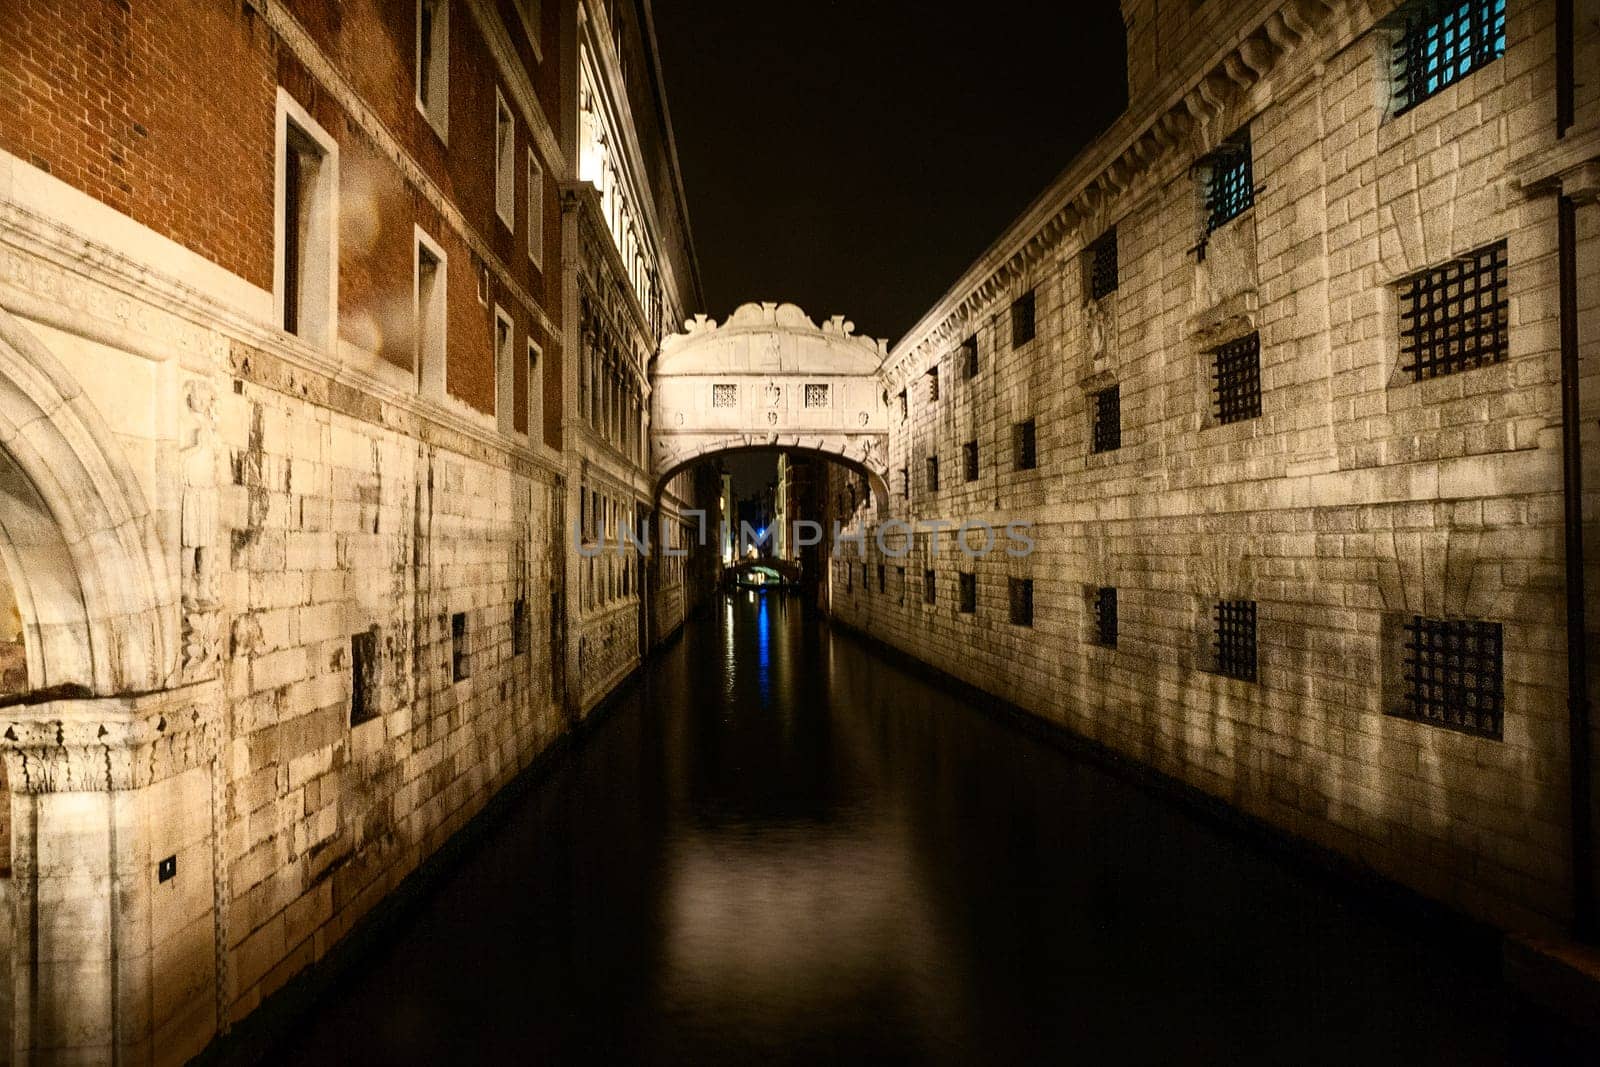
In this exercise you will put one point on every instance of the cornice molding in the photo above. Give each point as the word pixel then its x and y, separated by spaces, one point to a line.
pixel 517 80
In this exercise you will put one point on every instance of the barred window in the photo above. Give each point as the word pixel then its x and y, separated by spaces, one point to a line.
pixel 1021 592
pixel 1234 641
pixel 816 395
pixel 363 676
pixel 933 473
pixel 882 577
pixel 1230 192
pixel 900 575
pixel 724 396
pixel 1023 445
pixel 519 626
pixel 969 460
pixel 1105 616
pixel 865 585
pixel 1103 265
pixel 905 412
pixel 933 385
pixel 927 587
pixel 1454 317
pixel 968 591
pixel 1453 675
pixel 905 483
pixel 458 646
pixel 1107 436
pixel 1443 42
pixel 1236 379
pixel 1022 319
pixel 849 578
pixel 969 358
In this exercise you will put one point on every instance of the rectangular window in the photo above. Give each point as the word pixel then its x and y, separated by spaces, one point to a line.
pixel 905 483
pixel 1234 639
pixel 1453 675
pixel 1443 42
pixel 905 411
pixel 969 358
pixel 433 64
pixel 1105 616
pixel 849 578
pixel 816 395
pixel 969 460
pixel 535 394
pixel 883 577
pixel 458 646
pixel 1230 191
pixel 725 396
pixel 519 626
pixel 1022 319
pixel 1021 594
pixel 1454 317
pixel 967 591
pixel 535 210
pixel 900 575
pixel 927 587
pixel 1236 379
pixel 1103 265
pixel 1024 451
pixel 363 676
pixel 306 219
pixel 1107 436
pixel 431 315
pixel 504 371
pixel 933 474
pixel 505 162
pixel 933 385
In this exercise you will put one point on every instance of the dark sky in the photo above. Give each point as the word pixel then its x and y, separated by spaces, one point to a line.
pixel 855 157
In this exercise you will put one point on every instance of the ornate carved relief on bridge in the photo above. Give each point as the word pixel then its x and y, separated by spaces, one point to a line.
pixel 770 378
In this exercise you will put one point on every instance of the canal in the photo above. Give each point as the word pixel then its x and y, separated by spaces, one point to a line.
pixel 779 847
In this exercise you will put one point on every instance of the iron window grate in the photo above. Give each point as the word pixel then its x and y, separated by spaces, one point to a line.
pixel 1105 616
pixel 363 676
pixel 969 460
pixel 933 474
pixel 1443 42
pixel 1230 192
pixel 927 587
pixel 724 396
pixel 883 578
pixel 905 483
pixel 1454 317
pixel 1107 436
pixel 1453 675
pixel 1022 324
pixel 458 647
pixel 1236 379
pixel 1234 642
pixel 1021 591
pixel 519 626
pixel 1024 445
pixel 1103 266
pixel 969 358
pixel 933 385
pixel 816 395
pixel 968 592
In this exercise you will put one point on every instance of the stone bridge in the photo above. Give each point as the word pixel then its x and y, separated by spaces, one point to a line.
pixel 770 378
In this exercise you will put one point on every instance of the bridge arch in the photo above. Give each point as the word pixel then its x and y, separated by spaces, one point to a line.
pixel 770 378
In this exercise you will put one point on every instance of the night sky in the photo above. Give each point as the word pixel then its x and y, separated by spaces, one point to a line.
pixel 855 157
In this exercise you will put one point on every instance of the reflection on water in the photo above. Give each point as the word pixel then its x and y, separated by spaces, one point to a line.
pixel 780 848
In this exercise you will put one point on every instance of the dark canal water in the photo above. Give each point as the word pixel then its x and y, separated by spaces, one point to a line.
pixel 780 848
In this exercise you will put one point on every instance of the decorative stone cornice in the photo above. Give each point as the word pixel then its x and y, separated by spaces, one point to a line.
pixel 517 80
pixel 1124 163
pixel 584 199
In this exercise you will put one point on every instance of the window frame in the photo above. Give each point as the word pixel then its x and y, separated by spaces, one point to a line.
pixel 505 161
pixel 505 377
pixel 435 112
pixel 535 210
pixel 317 318
pixel 432 367
pixel 1424 17
pixel 1024 313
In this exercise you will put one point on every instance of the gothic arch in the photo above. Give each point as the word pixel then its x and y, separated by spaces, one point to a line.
pixel 77 538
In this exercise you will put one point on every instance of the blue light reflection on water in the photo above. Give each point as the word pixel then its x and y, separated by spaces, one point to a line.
pixel 764 650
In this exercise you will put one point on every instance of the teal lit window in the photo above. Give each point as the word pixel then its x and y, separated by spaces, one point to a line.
pixel 1443 43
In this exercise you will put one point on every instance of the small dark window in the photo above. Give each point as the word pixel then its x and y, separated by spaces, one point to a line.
pixel 901 575
pixel 883 578
pixel 927 587
pixel 1105 616
pixel 1453 675
pixel 968 592
pixel 1454 317
pixel 1022 319
pixel 969 358
pixel 933 473
pixel 1021 590
pixel 1234 641
pixel 1236 379
pixel 1443 42
pixel 1230 192
pixel 905 483
pixel 363 676
pixel 969 460
pixel 865 585
pixel 1024 445
pixel 1103 266
pixel 905 412
pixel 933 385
pixel 293 236
pixel 458 646
pixel 1107 436
pixel 519 626
pixel 849 578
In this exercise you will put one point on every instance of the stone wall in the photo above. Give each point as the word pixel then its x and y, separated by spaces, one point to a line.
pixel 1356 499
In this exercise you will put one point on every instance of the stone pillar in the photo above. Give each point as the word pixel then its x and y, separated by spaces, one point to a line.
pixel 113 891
